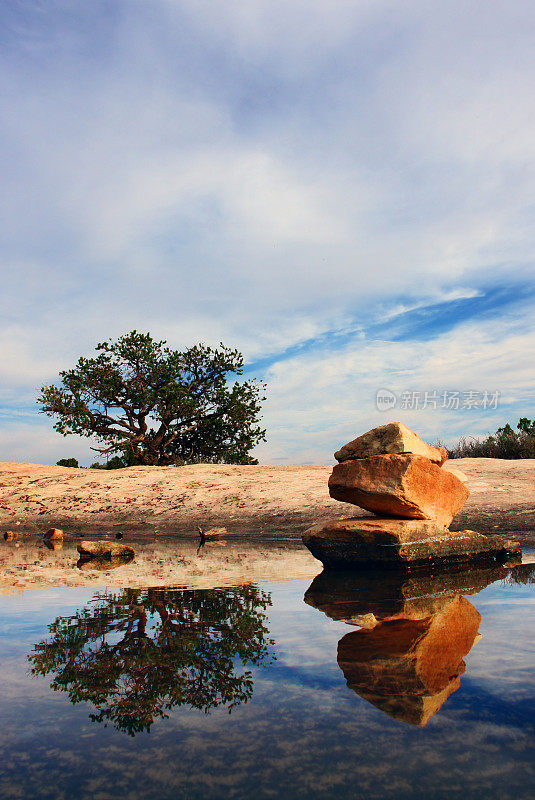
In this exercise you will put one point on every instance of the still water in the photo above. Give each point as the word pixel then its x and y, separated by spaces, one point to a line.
pixel 353 686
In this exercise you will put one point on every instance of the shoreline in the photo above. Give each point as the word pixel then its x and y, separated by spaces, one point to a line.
pixel 158 562
pixel 265 509
pixel 27 563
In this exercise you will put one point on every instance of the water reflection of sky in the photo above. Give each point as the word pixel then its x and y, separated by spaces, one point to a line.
pixel 303 734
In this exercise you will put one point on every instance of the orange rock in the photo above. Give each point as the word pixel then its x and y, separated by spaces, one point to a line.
pixel 407 486
pixel 394 438
pixel 413 709
pixel 53 544
pixel 409 667
pixel 458 473
pixel 104 549
pixel 54 534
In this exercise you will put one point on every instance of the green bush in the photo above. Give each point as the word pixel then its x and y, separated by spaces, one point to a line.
pixel 67 462
pixel 114 463
pixel 505 443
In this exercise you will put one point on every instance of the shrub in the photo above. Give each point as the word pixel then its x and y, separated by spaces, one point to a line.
pixel 67 462
pixel 505 443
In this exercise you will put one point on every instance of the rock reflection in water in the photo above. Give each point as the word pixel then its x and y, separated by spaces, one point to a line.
pixel 136 654
pixel 407 657
pixel 103 564
pixel 53 544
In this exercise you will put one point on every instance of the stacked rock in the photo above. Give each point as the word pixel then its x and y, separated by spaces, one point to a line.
pixel 391 472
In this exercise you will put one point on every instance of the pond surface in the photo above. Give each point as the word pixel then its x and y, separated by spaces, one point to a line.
pixel 353 686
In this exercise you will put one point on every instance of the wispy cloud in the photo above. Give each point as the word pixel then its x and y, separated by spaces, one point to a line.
pixel 289 178
pixel 322 398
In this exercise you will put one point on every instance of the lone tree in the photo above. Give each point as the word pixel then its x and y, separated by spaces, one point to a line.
pixel 156 406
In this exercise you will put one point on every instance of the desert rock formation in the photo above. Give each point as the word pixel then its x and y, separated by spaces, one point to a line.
pixel 404 486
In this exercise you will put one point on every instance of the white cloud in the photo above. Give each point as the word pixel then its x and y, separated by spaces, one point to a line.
pixel 37 443
pixel 261 173
pixel 318 401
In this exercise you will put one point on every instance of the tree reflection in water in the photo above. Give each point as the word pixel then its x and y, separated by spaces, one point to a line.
pixel 137 654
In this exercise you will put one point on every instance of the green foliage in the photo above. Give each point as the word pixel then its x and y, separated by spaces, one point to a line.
pixel 137 654
pixel 526 426
pixel 114 463
pixel 151 405
pixel 505 443
pixel 67 462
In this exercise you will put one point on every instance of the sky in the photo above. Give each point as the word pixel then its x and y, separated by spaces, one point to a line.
pixel 345 191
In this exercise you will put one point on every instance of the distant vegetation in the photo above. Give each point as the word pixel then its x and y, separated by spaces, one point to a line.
pixel 522 574
pixel 505 443
pixel 114 463
pixel 67 462
pixel 147 404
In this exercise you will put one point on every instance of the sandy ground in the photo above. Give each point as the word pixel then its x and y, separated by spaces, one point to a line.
pixel 256 500
pixel 157 510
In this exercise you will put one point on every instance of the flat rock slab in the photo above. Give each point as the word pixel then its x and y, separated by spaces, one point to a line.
pixel 407 486
pixel 359 541
pixel 387 440
pixel 103 549
pixel 377 595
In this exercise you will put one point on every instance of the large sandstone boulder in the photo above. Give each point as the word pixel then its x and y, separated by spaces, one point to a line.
pixel 387 542
pixel 409 486
pixel 408 667
pixel 104 549
pixel 393 438
pixel 463 477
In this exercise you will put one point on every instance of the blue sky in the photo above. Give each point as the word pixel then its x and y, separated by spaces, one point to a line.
pixel 343 190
